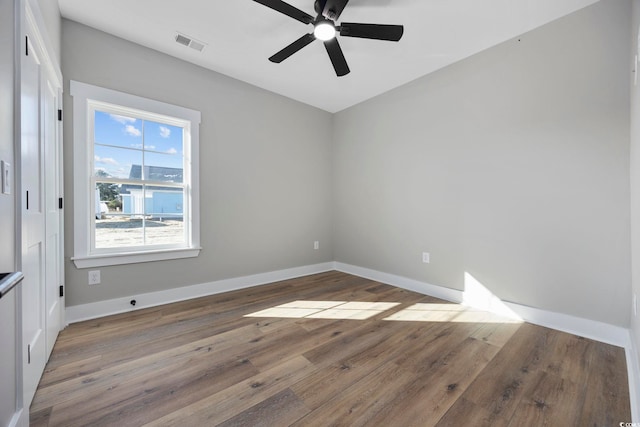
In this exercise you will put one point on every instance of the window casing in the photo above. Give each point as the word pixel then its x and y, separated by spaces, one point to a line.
pixel 142 156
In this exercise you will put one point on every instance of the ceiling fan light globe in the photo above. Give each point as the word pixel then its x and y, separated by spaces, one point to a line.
pixel 324 31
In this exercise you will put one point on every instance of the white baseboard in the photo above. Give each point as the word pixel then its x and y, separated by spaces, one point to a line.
pixel 19 419
pixel 78 313
pixel 633 372
pixel 592 329
pixel 598 331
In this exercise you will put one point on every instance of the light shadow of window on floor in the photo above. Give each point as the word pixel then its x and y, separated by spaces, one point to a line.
pixel 479 305
pixel 454 313
pixel 355 310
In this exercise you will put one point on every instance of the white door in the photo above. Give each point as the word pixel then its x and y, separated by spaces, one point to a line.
pixel 33 225
pixel 41 182
pixel 52 189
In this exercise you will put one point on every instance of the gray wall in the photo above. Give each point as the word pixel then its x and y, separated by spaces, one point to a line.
pixel 511 166
pixel 265 166
pixel 635 173
pixel 8 304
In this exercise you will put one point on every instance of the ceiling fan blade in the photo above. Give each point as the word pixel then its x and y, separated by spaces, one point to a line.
pixel 337 57
pixel 287 9
pixel 333 9
pixel 292 48
pixel 372 31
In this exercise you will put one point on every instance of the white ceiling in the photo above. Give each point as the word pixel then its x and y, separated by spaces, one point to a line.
pixel 242 34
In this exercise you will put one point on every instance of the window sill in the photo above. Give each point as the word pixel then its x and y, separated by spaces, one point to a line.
pixel 133 257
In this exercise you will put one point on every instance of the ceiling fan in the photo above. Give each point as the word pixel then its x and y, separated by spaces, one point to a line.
pixel 325 29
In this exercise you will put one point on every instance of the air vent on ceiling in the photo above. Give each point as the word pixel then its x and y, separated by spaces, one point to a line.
pixel 190 42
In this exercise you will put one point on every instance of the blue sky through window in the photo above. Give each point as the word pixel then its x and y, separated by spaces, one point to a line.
pixel 120 142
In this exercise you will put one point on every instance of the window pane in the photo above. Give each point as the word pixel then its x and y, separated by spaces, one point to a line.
pixel 163 167
pixel 113 228
pixel 163 138
pixel 139 215
pixel 116 162
pixel 119 232
pixel 165 215
pixel 121 131
pixel 107 198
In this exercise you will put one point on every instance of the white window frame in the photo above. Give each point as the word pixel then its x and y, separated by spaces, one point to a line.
pixel 85 99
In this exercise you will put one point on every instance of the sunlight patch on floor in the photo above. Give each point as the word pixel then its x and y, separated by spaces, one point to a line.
pixel 454 313
pixel 354 310
pixel 362 310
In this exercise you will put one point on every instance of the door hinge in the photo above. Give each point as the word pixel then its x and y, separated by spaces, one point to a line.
pixel 60 203
pixel 61 291
pixel 29 353
pixel 26 39
pixel 27 200
pixel 59 115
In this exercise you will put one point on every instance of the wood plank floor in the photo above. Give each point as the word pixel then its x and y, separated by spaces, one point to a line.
pixel 325 350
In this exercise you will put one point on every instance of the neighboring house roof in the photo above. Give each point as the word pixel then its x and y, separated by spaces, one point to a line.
pixel 155 173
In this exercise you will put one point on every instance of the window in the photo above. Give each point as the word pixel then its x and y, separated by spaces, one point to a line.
pixel 135 178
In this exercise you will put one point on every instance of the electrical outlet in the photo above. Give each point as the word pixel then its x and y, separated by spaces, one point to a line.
pixel 94 277
pixel 426 258
pixel 316 245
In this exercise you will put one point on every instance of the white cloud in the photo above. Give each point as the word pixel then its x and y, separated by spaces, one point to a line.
pixel 105 160
pixel 172 151
pixel 165 132
pixel 122 119
pixel 132 130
